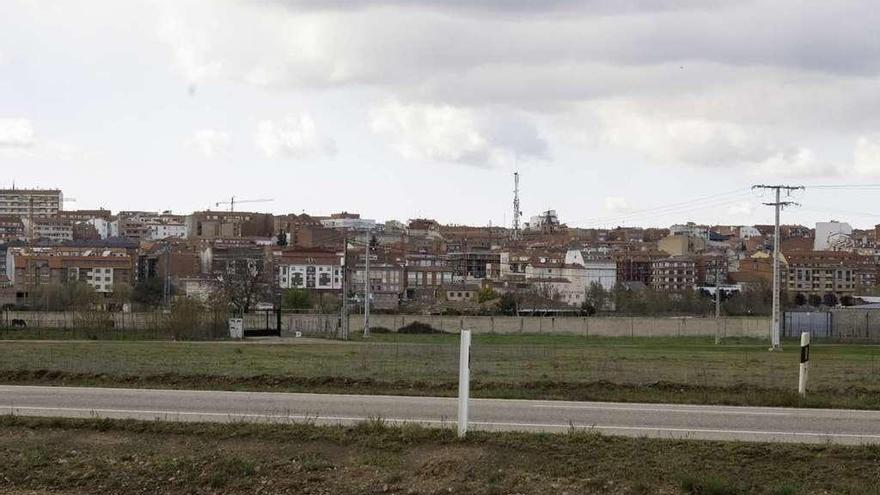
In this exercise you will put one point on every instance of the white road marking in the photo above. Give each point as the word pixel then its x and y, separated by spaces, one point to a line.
pixel 318 418
pixel 683 409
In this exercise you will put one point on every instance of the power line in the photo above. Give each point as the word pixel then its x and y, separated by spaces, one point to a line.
pixel 842 212
pixel 845 186
pixel 671 209
pixel 673 205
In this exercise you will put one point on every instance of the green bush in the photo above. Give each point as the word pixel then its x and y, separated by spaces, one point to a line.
pixel 296 299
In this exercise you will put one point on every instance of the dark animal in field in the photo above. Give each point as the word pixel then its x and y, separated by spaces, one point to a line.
pixel 18 323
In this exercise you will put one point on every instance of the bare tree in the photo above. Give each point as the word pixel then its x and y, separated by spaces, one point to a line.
pixel 243 283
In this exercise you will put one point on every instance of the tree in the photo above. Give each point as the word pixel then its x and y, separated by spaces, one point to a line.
pixel 74 295
pixel 597 297
pixel 243 283
pixel 815 299
pixel 190 319
pixel 121 294
pixel 847 300
pixel 755 299
pixel 486 294
pixel 628 301
pixel 800 299
pixel 296 299
pixel 148 292
pixel 830 299
pixel 282 238
pixel 508 304
pixel 79 295
pixel 588 308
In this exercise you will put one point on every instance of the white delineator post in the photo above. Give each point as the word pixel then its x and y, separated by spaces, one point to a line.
pixel 464 382
pixel 805 363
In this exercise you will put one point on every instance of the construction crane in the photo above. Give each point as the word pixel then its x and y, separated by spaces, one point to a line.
pixel 232 202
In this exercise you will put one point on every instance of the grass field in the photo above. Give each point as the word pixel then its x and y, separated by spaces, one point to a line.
pixel 553 367
pixel 110 457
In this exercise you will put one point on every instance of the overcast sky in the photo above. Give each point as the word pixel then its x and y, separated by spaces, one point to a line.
pixel 403 109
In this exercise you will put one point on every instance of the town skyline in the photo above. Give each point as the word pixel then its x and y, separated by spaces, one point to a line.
pixel 656 216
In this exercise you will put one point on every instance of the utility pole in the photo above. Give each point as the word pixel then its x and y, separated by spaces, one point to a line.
pixel 166 284
pixel 344 319
pixel 717 293
pixel 717 306
pixel 367 286
pixel 778 205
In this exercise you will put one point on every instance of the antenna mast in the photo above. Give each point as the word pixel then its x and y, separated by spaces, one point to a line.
pixel 516 212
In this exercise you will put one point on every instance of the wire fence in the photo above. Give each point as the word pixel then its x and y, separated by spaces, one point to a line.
pixel 854 369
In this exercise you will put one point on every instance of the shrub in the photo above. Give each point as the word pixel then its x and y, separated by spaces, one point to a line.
pixel 418 327
pixel 188 320
pixel 93 322
pixel 486 294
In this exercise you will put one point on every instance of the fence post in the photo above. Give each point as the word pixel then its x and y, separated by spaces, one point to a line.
pixel 805 363
pixel 464 377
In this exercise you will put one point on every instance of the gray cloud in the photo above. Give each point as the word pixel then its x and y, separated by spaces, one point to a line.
pixel 725 82
pixel 594 7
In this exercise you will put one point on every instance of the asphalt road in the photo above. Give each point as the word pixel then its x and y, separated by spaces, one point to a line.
pixel 765 424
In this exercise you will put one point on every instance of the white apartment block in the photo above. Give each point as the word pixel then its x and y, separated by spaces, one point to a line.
pixel 102 226
pixel 101 279
pixel 310 276
pixel 348 223
pixel 158 231
pixel 30 202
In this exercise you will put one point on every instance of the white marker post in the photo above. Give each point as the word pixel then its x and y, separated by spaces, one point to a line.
pixel 464 382
pixel 805 363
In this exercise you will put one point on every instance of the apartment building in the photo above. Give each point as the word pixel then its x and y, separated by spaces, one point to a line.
pixel 85 231
pixel 223 256
pixel 681 245
pixel 308 269
pixel 473 264
pixel 756 269
pixel 348 221
pixel 636 266
pixel 52 229
pixel 11 228
pixel 164 226
pixel 229 224
pixel 177 259
pixel 597 270
pixel 511 266
pixel 425 274
pixel 387 278
pixel 828 272
pixel 690 229
pixel 711 269
pixel 675 274
pixel 85 215
pixel 130 228
pixel 558 280
pixel 30 202
pixel 102 269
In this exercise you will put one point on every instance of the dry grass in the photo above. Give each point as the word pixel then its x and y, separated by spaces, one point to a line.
pixel 108 457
